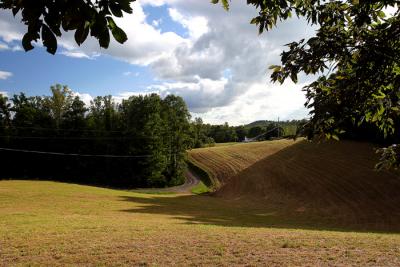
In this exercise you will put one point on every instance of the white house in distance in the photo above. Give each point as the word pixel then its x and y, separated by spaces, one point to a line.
pixel 247 140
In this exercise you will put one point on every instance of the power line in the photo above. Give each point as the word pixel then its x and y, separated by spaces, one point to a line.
pixel 256 137
pixel 73 154
pixel 74 138
pixel 61 129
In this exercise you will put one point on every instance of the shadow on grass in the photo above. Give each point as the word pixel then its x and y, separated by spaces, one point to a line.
pixel 211 210
pixel 289 190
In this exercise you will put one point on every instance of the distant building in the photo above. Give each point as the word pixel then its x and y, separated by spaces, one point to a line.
pixel 247 140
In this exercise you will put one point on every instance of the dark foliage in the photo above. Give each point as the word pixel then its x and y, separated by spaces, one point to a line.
pixel 139 143
pixel 47 19
pixel 207 134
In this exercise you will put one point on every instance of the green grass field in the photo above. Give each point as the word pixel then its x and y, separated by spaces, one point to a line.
pixel 224 161
pixel 48 223
pixel 280 203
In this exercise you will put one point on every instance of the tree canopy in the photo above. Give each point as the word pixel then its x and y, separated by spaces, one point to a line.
pixel 139 142
pixel 356 55
pixel 47 19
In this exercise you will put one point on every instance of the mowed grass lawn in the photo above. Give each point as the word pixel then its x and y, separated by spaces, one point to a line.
pixel 48 223
pixel 224 161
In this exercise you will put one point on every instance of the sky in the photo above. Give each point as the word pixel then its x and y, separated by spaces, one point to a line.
pixel 214 59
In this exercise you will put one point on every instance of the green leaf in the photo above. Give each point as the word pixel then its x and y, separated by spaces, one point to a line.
pixel 81 33
pixel 49 40
pixel 381 14
pixel 225 3
pixel 254 21
pixel 125 5
pixel 293 76
pixel 104 39
pixel 15 10
pixel 275 67
pixel 116 10
pixel 118 33
pixel 27 42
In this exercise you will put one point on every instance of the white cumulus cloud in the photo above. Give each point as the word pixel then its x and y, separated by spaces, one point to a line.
pixel 4 75
pixel 219 67
pixel 75 54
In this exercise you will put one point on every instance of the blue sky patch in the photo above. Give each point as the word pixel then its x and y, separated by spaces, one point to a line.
pixel 99 76
pixel 165 23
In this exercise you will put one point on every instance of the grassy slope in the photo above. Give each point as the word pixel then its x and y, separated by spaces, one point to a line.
pixel 330 183
pixel 222 162
pixel 47 223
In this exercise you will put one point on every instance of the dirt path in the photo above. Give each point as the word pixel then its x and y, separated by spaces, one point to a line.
pixel 190 182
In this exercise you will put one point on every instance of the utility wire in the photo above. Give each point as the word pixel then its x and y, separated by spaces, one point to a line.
pixel 62 130
pixel 73 154
pixel 256 137
pixel 73 138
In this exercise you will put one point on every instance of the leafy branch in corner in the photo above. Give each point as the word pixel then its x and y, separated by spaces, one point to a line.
pixel 49 19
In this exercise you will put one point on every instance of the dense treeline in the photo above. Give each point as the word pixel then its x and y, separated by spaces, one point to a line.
pixel 139 142
pixel 207 134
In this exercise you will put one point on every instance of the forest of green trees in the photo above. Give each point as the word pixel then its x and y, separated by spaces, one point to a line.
pixel 141 142
pixel 208 134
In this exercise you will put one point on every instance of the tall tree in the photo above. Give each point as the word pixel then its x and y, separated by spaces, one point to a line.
pixel 199 133
pixel 255 131
pixel 59 102
pixel 30 112
pixel 74 117
pixel 144 125
pixel 241 132
pixel 177 135
pixel 5 115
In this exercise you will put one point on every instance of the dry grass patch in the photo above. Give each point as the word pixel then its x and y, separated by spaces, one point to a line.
pixel 53 224
pixel 223 162
pixel 329 181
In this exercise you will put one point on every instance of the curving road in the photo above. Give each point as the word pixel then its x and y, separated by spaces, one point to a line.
pixel 190 182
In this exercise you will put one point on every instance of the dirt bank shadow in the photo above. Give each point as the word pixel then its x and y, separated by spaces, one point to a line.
pixel 210 210
pixel 327 186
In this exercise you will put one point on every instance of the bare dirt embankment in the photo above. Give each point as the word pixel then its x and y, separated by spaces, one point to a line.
pixel 333 181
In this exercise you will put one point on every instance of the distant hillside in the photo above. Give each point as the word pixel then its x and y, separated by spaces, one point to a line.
pixel 261 123
pixel 289 127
